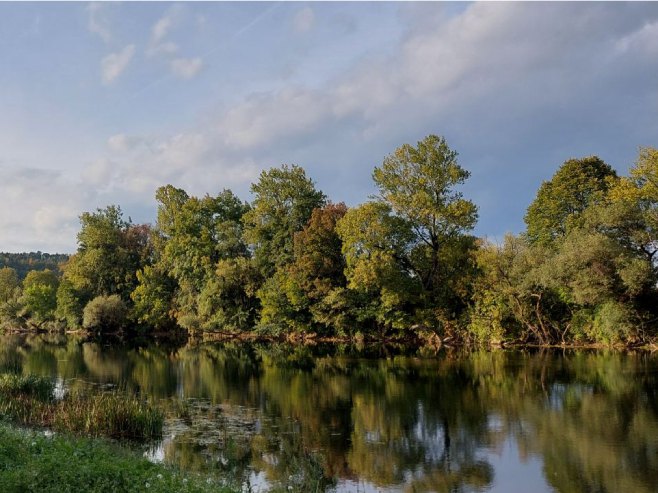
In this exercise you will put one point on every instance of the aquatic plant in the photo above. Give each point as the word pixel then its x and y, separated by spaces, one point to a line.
pixel 28 400
pixel 12 385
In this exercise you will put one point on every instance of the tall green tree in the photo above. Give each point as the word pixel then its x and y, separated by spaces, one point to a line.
pixel 284 199
pixel 296 296
pixel 561 200
pixel 39 298
pixel 427 220
pixel 110 251
pixel 201 264
pixel 375 244
pixel 633 215
pixel 9 284
pixel 419 183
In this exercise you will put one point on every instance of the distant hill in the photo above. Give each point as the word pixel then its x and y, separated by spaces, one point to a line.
pixel 25 262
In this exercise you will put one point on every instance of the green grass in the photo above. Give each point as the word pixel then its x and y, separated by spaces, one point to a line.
pixel 12 385
pixel 28 401
pixel 32 462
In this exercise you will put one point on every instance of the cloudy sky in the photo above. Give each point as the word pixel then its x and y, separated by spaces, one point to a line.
pixel 102 103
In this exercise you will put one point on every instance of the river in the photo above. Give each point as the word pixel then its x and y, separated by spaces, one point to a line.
pixel 380 419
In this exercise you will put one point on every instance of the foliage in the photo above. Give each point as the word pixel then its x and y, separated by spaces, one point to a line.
pixel 374 244
pixel 512 297
pixel 152 298
pixel 589 275
pixel 284 199
pixel 409 246
pixel 9 284
pixel 24 262
pixel 202 278
pixel 39 298
pixel 404 263
pixel 297 296
pixel 560 201
pixel 110 251
pixel 69 305
pixel 105 314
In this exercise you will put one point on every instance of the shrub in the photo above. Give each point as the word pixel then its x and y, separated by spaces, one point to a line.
pixel 105 314
pixel 612 323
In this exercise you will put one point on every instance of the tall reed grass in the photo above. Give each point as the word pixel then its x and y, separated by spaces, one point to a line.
pixel 12 385
pixel 108 414
pixel 28 401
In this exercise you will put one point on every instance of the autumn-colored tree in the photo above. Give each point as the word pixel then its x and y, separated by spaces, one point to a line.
pixel 296 296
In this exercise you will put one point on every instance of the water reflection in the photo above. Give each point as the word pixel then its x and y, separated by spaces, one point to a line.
pixel 382 419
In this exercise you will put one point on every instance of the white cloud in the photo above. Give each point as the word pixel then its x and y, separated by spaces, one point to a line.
pixel 48 220
pixel 99 173
pixel 190 160
pixel 123 142
pixel 161 45
pixel 113 65
pixel 507 84
pixel 304 20
pixel 186 68
pixel 264 118
pixel 644 39
pixel 479 71
pixel 158 43
pixel 167 48
pixel 97 22
pixel 162 27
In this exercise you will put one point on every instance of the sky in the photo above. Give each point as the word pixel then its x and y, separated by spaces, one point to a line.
pixel 102 103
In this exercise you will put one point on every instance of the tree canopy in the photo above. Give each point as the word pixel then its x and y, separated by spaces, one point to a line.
pixel 561 200
pixel 404 263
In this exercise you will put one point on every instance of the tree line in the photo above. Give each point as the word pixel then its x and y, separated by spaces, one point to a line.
pixel 404 262
pixel 23 263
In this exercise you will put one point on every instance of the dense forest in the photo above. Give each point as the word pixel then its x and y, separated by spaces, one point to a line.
pixel 293 263
pixel 23 263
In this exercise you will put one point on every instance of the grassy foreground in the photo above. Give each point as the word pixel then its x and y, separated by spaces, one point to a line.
pixel 33 462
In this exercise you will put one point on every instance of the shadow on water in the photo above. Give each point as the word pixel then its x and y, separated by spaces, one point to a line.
pixel 379 418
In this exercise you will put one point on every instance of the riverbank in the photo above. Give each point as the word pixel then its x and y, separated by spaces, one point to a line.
pixel 33 461
pixel 413 338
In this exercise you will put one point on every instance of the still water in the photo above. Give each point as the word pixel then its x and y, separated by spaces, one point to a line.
pixel 380 419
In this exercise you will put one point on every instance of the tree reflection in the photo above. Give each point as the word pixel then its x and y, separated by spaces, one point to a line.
pixel 299 416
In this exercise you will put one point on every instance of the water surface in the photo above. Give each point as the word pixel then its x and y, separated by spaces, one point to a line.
pixel 381 419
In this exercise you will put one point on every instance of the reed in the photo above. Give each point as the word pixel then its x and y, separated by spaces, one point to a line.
pixel 112 415
pixel 12 385
pixel 28 401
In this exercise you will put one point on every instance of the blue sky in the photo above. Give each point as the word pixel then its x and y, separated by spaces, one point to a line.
pixel 102 103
